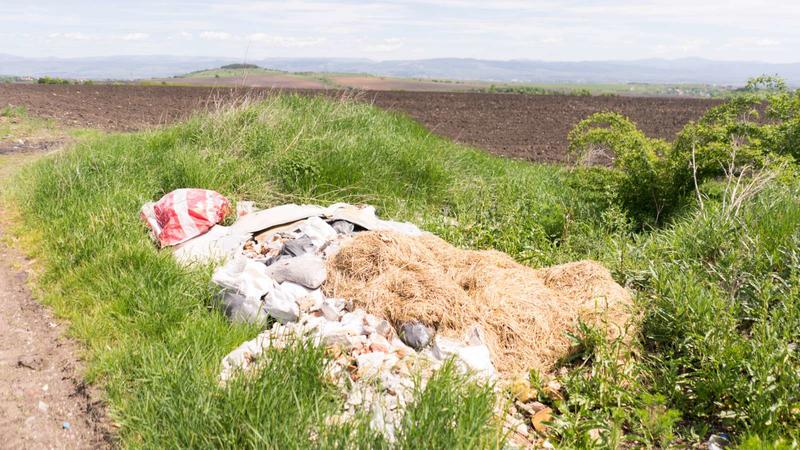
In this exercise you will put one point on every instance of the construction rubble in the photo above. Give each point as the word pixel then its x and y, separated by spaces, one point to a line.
pixel 391 302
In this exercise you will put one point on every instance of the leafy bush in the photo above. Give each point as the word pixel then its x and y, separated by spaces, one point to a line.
pixel 655 176
pixel 49 80
pixel 644 184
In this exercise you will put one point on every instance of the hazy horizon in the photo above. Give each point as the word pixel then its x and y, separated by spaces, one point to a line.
pixel 322 57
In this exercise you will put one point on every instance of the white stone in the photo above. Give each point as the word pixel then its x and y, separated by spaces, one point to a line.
pixel 370 364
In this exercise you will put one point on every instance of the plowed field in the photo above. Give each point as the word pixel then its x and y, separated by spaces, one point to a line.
pixel 520 126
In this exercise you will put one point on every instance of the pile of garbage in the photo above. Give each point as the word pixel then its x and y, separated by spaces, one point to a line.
pixel 390 301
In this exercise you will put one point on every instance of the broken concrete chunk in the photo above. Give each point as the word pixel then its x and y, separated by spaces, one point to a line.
pixel 477 359
pixel 283 302
pixel 444 348
pixel 370 364
pixel 475 336
pixel 329 311
pixel 306 270
pixel 384 328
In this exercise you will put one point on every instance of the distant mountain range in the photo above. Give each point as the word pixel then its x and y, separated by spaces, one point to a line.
pixel 687 70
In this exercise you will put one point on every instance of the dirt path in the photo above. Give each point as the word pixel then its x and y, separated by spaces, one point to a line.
pixel 43 403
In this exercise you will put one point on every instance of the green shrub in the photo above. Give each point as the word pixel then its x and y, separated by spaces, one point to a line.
pixel 655 176
pixel 49 80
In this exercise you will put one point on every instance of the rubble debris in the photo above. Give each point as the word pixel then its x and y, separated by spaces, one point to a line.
pixel 242 309
pixel 393 304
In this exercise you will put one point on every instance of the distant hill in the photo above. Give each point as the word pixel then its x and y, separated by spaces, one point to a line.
pixel 688 70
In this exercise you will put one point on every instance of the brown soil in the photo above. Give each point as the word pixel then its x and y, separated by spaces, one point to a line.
pixel 535 127
pixel 43 402
pixel 520 126
pixel 27 146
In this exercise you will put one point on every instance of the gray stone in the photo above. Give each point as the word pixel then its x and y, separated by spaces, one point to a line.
pixel 416 335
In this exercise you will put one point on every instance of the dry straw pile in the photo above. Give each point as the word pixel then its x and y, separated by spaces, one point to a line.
pixel 525 313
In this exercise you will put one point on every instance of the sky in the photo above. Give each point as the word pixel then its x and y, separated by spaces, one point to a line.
pixel 568 30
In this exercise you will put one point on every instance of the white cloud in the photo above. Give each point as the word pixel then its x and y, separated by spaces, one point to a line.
pixel 73 36
pixel 216 36
pixel 135 37
pixel 284 41
pixel 753 42
pixel 551 40
pixel 387 45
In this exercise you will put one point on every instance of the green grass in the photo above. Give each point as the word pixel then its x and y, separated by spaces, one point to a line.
pixel 718 294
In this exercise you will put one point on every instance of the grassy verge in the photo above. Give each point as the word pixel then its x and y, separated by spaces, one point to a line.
pixel 719 292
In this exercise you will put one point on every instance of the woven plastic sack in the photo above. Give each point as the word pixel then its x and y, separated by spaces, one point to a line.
pixel 184 214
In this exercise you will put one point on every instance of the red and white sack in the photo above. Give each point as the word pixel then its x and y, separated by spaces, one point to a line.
pixel 184 214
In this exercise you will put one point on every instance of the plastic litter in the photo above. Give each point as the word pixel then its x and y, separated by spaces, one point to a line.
pixel 298 247
pixel 343 227
pixel 245 276
pixel 183 214
pixel 306 270
pixel 317 230
pixel 217 244
pixel 272 217
pixel 239 308
pixel 719 441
